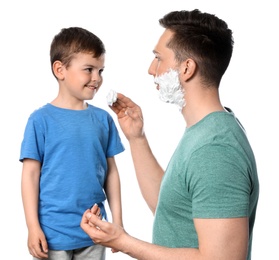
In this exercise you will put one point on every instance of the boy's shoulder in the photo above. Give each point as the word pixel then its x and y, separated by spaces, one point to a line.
pixel 98 109
pixel 39 110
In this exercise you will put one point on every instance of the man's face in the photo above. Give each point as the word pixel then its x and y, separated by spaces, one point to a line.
pixel 166 74
pixel 164 57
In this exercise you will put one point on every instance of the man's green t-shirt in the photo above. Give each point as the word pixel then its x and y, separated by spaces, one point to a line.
pixel 212 174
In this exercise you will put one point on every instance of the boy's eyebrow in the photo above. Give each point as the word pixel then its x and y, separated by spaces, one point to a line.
pixel 90 65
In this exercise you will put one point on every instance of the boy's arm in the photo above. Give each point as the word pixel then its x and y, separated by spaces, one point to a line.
pixel 37 244
pixel 113 192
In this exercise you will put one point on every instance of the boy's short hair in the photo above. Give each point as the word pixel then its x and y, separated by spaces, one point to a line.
pixel 73 40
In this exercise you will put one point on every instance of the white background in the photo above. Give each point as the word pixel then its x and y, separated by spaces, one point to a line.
pixel 130 30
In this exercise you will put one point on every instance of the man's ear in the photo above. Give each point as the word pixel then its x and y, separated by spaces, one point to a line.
pixel 189 68
pixel 58 69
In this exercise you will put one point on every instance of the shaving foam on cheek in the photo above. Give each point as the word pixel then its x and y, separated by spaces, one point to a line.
pixel 170 89
pixel 111 97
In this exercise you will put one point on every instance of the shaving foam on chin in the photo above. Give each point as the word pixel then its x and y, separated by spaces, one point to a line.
pixel 170 89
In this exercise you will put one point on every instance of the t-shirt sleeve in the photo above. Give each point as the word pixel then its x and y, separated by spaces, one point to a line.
pixel 32 144
pixel 115 145
pixel 219 184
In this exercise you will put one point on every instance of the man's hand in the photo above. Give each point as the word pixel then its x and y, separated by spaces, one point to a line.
pixel 129 116
pixel 102 232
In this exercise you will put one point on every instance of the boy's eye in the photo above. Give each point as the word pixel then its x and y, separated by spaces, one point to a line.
pixel 89 69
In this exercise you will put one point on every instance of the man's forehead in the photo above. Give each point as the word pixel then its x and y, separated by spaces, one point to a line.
pixel 162 49
pixel 164 39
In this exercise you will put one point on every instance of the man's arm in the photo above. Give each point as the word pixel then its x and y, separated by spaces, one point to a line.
pixel 148 171
pixel 218 239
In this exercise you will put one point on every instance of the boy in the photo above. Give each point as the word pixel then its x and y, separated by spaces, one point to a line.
pixel 68 154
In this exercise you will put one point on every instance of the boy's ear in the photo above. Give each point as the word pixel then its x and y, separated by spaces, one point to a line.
pixel 189 68
pixel 58 69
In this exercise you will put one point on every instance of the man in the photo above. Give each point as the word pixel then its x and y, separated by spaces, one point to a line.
pixel 205 202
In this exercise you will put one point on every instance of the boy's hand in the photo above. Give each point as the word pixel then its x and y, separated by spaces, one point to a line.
pixel 37 244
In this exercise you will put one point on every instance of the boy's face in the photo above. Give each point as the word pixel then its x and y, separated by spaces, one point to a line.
pixel 83 78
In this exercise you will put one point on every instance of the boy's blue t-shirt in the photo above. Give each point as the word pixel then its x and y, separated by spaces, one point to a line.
pixel 72 147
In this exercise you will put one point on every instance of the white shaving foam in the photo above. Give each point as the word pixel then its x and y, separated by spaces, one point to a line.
pixel 111 97
pixel 170 89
